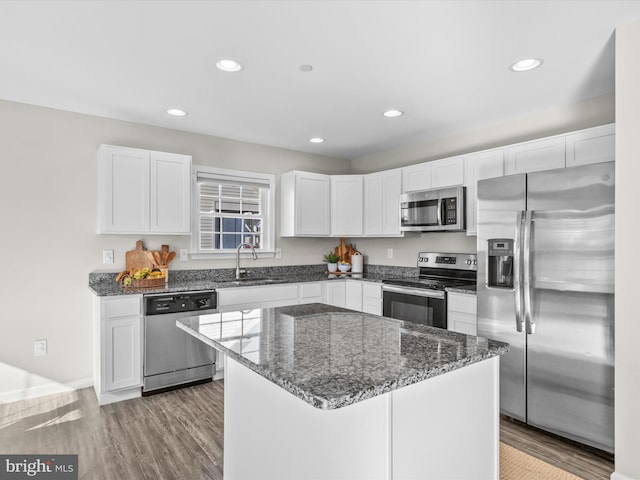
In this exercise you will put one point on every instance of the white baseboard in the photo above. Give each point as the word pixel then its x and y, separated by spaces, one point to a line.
pixel 619 476
pixel 45 389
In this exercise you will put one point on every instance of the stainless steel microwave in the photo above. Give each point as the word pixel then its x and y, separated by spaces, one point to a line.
pixel 435 210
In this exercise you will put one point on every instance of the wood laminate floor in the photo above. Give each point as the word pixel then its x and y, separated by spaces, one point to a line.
pixel 179 435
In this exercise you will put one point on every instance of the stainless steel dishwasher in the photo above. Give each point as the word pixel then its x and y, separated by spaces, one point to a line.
pixel 173 358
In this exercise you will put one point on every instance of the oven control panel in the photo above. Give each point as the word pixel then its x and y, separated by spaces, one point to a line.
pixel 457 261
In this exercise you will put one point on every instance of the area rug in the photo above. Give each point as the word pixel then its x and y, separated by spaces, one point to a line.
pixel 517 465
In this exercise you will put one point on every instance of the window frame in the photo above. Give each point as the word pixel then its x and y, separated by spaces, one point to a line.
pixel 269 213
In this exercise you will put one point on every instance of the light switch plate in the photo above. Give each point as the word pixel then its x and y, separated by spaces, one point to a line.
pixel 278 253
pixel 107 256
pixel 184 255
pixel 40 348
pixel 389 252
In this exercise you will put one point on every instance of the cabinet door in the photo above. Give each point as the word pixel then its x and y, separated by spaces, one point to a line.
pixel 353 295
pixel 391 190
pixel 373 204
pixel 122 347
pixel 416 177
pixel 594 145
pixel 372 298
pixel 479 166
pixel 335 293
pixel 346 205
pixel 310 293
pixel 170 189
pixel 447 172
pixel 312 204
pixel 535 156
pixel 123 190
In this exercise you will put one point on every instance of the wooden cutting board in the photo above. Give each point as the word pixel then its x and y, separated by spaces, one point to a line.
pixel 139 258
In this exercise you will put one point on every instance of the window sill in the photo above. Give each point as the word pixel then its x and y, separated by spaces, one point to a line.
pixel 227 255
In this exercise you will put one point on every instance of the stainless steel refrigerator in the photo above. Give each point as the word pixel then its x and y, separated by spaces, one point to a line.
pixel 545 286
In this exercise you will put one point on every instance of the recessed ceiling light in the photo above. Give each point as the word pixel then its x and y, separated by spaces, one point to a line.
pixel 316 140
pixel 393 113
pixel 176 112
pixel 227 65
pixel 526 64
pixel 306 68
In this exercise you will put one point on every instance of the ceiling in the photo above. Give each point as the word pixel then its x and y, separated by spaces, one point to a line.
pixel 444 63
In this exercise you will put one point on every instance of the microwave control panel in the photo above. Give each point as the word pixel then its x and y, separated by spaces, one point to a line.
pixel 450 208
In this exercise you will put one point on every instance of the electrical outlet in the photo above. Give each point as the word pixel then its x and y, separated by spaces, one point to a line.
pixel 184 255
pixel 107 256
pixel 278 253
pixel 389 252
pixel 40 347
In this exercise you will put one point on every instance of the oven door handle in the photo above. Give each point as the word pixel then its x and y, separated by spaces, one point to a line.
pixel 417 292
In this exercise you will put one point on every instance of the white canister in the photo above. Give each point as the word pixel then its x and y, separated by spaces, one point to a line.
pixel 357 262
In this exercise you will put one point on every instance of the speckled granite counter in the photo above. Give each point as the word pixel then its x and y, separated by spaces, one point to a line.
pixel 468 289
pixel 332 357
pixel 395 400
pixel 103 284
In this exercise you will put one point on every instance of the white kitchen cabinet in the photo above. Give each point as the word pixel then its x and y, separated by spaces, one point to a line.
pixel 262 296
pixel 353 295
pixel 372 298
pixel 479 166
pixel 462 313
pixel 117 348
pixel 593 145
pixel 416 177
pixel 310 292
pixel 545 154
pixel 382 203
pixel 346 205
pixel 305 204
pixel 445 172
pixel 143 191
pixel 335 293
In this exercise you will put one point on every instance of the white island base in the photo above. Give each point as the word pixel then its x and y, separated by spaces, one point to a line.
pixel 446 427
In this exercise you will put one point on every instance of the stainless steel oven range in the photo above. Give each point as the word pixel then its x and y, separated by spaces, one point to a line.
pixel 173 358
pixel 424 299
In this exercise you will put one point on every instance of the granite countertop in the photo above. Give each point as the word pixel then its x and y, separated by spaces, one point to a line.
pixel 332 357
pixel 104 284
pixel 468 289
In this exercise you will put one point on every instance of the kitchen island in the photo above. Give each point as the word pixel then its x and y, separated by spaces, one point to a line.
pixel 320 392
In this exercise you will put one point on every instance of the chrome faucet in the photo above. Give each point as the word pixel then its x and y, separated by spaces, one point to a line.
pixel 253 252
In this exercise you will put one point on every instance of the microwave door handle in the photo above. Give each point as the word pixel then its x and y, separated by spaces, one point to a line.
pixel 440 221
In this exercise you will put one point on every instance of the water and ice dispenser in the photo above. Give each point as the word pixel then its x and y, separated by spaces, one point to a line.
pixel 500 263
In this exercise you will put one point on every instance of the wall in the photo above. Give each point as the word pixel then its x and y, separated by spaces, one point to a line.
pixel 48 205
pixel 627 381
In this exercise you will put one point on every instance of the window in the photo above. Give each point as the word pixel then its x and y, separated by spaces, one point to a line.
pixel 232 207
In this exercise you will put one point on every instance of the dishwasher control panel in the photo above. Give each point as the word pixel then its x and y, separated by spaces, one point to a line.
pixel 180 302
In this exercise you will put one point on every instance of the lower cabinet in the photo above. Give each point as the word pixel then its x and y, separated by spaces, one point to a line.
pixel 118 348
pixel 358 295
pixel 462 313
pixel 372 298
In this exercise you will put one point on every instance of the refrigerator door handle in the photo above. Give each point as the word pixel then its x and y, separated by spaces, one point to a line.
pixel 517 271
pixel 526 261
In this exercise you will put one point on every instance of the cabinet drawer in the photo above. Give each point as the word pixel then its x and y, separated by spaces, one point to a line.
pixel 256 295
pixel 372 290
pixel 122 306
pixel 308 290
pixel 460 302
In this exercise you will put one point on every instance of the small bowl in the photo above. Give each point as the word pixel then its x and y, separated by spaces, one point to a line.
pixel 344 267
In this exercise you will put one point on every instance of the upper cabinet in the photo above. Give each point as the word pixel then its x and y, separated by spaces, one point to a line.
pixel 436 174
pixel 479 166
pixel 346 205
pixel 594 145
pixel 545 154
pixel 305 204
pixel 143 191
pixel 382 203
